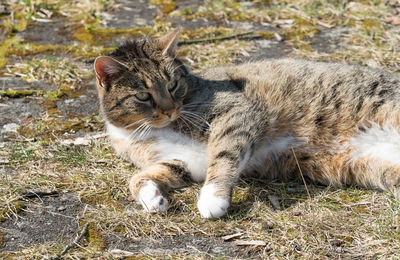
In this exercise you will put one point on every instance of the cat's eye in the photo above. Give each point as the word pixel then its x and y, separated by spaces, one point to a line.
pixel 172 85
pixel 143 96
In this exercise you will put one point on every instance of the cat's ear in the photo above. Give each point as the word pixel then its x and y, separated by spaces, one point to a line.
pixel 107 68
pixel 168 43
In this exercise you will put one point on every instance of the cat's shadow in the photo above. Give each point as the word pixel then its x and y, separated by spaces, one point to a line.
pixel 276 194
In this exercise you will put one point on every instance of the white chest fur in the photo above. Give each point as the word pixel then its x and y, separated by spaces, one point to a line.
pixel 171 145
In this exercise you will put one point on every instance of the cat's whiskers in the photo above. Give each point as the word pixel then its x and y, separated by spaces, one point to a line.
pixel 191 120
pixel 197 123
pixel 141 132
pixel 146 131
pixel 196 116
pixel 135 123
pixel 187 125
pixel 138 130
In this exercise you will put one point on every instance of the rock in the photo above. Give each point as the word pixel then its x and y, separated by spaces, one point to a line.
pixel 10 128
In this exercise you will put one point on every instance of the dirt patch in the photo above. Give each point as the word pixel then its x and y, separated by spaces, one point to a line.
pixel 14 83
pixel 15 112
pixel 329 41
pixel 128 14
pixel 56 30
pixel 268 49
pixel 43 220
pixel 86 103
pixel 185 245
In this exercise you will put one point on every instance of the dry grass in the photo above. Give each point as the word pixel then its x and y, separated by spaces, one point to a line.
pixel 348 222
pixel 334 223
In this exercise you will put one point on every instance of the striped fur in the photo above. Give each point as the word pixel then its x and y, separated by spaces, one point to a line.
pixel 341 121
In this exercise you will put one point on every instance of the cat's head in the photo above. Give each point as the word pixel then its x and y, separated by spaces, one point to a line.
pixel 142 82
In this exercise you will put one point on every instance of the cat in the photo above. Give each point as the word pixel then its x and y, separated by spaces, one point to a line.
pixel 341 122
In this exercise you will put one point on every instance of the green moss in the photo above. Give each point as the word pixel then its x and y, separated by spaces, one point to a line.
pixel 371 26
pixel 120 228
pixel 19 93
pixel 101 34
pixel 167 6
pixel 5 48
pixel 266 35
pixel 82 34
pixel 95 239
pixel 49 129
pixel 25 93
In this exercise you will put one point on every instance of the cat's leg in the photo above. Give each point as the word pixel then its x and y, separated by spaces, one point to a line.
pixel 159 171
pixel 371 159
pixel 230 147
pixel 151 184
pixel 384 177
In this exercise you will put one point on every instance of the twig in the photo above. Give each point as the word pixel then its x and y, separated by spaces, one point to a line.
pixel 240 36
pixel 302 176
pixel 38 194
pixel 76 241
pixel 250 243
pixel 245 36
pixel 229 237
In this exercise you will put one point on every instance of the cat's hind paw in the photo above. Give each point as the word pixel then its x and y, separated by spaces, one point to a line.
pixel 151 198
pixel 209 205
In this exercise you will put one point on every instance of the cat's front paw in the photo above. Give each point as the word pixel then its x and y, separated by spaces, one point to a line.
pixel 151 198
pixel 209 205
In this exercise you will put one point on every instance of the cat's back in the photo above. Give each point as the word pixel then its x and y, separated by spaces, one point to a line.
pixel 307 83
pixel 301 94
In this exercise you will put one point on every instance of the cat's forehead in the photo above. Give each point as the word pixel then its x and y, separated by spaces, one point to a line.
pixel 142 80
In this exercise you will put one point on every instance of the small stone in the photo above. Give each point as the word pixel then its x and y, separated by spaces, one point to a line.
pixel 61 208
pixel 10 128
pixel 275 202
pixel 267 225
pixel 372 63
pixel 140 21
pixel 20 224
pixel 336 242
pixel 266 43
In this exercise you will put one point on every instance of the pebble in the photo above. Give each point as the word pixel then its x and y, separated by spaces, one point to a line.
pixel 10 128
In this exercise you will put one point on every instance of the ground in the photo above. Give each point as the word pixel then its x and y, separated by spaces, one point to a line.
pixel 59 176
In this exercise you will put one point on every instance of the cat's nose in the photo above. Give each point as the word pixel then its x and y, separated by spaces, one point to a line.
pixel 169 112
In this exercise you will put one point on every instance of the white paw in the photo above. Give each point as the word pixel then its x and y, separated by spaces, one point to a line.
pixel 151 199
pixel 209 205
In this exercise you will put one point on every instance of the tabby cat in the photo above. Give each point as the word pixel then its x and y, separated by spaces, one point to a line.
pixel 342 122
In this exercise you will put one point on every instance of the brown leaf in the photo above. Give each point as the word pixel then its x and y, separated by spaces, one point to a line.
pixel 393 20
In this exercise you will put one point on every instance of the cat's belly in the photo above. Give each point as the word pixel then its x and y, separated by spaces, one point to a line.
pixel 264 155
